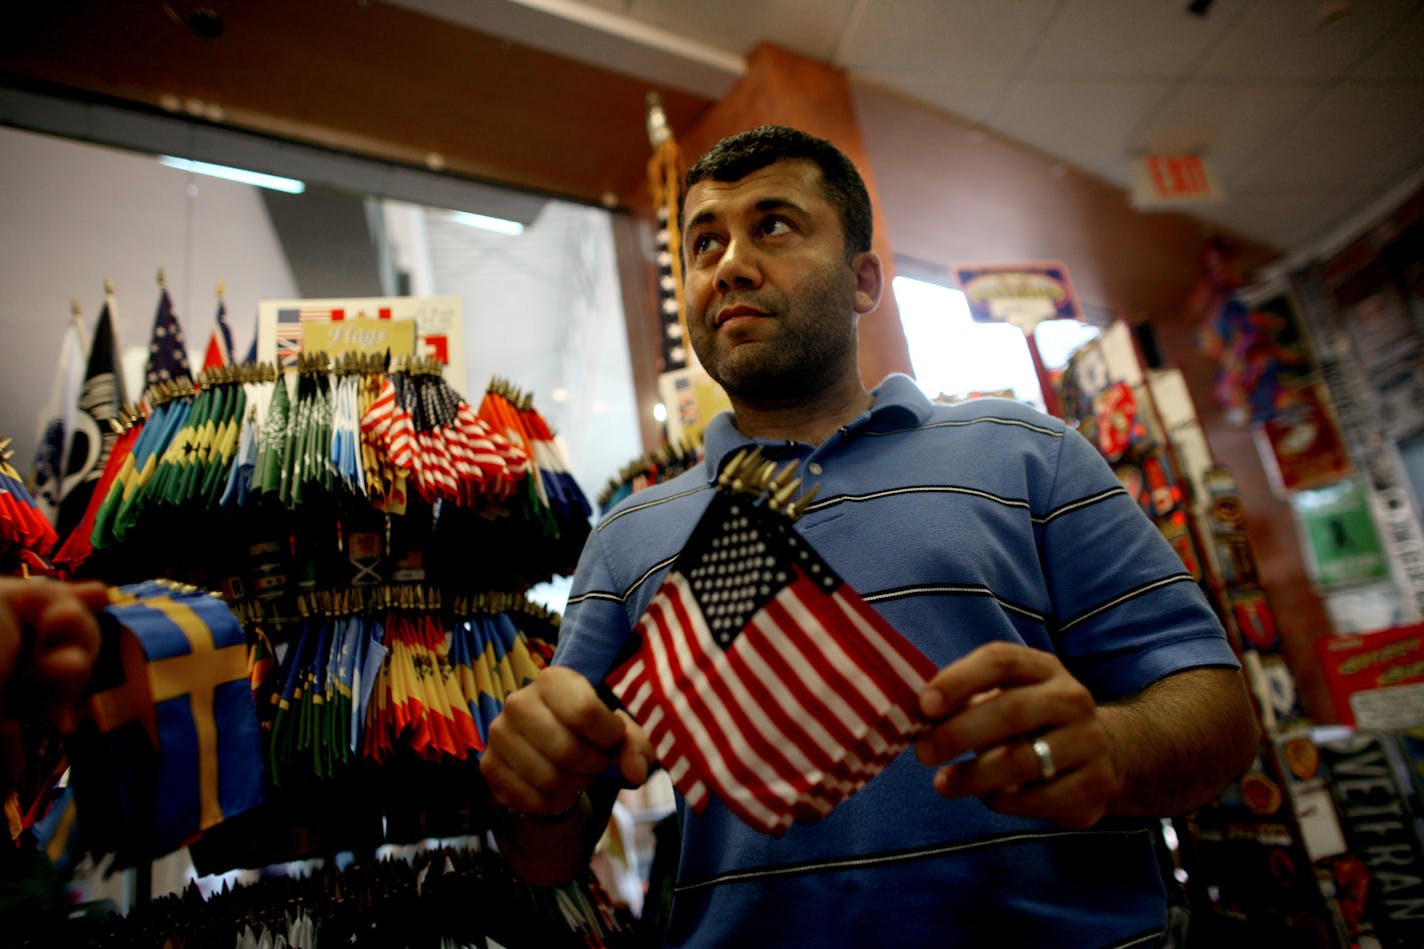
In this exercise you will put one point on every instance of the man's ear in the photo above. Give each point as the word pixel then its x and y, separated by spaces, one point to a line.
pixel 869 280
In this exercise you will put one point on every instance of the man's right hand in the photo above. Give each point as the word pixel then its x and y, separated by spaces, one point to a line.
pixel 49 639
pixel 553 738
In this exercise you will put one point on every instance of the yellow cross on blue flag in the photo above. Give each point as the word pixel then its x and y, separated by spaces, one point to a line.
pixel 179 662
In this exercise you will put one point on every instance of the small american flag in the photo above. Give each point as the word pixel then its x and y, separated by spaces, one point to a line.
pixel 288 331
pixel 761 676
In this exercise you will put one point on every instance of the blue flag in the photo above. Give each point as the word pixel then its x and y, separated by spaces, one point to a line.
pixel 174 747
pixel 167 349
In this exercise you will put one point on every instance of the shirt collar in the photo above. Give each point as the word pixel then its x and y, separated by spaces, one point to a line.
pixel 899 403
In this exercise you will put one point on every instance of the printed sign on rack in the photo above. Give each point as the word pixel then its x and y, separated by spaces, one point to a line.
pixel 1021 294
pixel 1300 447
pixel 362 335
pixel 1376 679
pixel 288 327
pixel 1341 542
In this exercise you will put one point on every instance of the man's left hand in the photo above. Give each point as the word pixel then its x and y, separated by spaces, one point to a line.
pixel 1001 701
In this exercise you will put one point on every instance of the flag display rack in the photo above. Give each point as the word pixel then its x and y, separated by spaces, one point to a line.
pixel 373 535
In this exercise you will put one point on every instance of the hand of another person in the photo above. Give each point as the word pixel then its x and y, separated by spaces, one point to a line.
pixel 553 738
pixel 998 702
pixel 49 639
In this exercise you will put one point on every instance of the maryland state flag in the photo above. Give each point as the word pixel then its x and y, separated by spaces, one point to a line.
pixel 758 674
pixel 171 744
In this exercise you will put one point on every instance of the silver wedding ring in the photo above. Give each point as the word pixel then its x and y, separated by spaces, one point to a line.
pixel 1046 768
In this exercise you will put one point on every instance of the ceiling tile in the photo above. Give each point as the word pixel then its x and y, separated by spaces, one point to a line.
pixel 809 27
pixel 967 97
pixel 1228 121
pixel 1371 134
pixel 1052 116
pixel 1282 39
pixel 952 37
pixel 1289 108
pixel 1400 56
pixel 1287 220
pixel 1110 38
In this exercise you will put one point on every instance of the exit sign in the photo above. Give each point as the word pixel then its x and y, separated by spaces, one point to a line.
pixel 1159 180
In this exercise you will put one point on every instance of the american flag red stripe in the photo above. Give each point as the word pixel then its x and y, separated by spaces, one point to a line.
pixel 811 749
pixel 875 679
pixel 818 672
pixel 831 718
pixel 833 675
pixel 748 785
pixel 766 744
pixel 692 756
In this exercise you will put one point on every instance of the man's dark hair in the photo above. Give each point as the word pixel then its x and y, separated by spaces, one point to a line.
pixel 739 155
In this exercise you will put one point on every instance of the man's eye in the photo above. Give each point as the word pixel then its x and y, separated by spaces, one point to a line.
pixel 702 243
pixel 774 226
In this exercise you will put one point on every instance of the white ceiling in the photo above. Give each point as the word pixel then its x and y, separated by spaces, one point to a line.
pixel 1309 110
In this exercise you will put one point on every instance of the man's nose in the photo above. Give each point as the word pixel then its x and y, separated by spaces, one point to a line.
pixel 738 266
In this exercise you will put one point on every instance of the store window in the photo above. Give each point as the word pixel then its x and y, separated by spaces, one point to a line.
pixel 955 357
pixel 542 308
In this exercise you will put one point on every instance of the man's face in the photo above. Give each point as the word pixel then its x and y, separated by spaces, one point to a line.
pixel 770 298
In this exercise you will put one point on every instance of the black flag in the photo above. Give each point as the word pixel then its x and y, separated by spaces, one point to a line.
pixel 100 400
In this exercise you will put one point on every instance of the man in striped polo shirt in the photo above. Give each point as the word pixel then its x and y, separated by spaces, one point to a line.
pixel 1084 685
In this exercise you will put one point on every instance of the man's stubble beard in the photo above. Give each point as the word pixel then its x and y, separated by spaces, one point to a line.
pixel 800 361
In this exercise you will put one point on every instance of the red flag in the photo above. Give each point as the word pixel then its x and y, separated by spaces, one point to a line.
pixel 761 676
pixel 79 543
pixel 219 351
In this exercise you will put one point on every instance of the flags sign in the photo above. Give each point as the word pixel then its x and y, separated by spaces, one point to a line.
pixel 758 673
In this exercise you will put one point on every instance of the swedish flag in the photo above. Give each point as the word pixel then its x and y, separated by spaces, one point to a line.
pixel 176 681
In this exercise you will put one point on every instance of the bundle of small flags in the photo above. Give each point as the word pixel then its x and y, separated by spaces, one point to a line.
pixel 379 672
pixel 491 658
pixel 315 720
pixel 550 501
pixel 23 526
pixel 437 440
pixel 758 674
